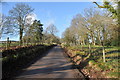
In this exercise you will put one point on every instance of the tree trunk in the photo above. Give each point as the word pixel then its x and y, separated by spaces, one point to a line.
pixel 83 41
pixel 8 43
pixel 103 43
pixel 89 49
pixel 93 41
pixel 118 11
pixel 104 54
pixel 99 37
pixel 21 35
pixel 20 38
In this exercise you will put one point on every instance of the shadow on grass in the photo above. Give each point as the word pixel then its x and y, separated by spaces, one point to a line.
pixel 94 55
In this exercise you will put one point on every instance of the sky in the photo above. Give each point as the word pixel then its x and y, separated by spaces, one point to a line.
pixel 58 13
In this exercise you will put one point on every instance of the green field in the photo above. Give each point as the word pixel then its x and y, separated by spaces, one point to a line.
pixel 95 59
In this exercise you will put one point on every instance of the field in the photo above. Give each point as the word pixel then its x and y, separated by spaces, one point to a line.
pixel 92 61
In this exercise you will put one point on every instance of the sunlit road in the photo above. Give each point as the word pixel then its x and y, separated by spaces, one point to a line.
pixel 53 65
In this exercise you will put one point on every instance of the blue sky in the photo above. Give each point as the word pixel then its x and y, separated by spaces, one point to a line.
pixel 58 13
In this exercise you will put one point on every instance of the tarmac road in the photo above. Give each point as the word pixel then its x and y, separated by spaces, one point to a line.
pixel 53 65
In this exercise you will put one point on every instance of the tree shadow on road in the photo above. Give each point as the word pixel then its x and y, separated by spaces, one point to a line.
pixel 55 69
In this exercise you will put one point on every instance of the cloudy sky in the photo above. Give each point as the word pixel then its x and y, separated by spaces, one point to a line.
pixel 58 13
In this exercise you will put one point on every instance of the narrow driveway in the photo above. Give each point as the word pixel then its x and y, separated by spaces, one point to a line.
pixel 53 65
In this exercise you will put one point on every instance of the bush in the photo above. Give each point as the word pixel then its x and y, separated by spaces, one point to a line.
pixel 92 63
pixel 102 66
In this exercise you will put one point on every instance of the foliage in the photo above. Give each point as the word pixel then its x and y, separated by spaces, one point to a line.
pixel 34 32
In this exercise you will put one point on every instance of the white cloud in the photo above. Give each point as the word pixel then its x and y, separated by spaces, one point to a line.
pixel 30 18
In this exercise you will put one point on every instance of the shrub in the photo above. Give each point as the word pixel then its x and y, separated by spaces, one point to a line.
pixel 92 63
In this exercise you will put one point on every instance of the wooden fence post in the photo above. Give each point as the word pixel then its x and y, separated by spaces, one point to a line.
pixel 104 54
pixel 7 43
pixel 89 49
pixel 103 50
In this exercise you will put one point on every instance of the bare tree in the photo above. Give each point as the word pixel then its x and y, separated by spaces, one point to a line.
pixel 18 14
pixel 50 34
pixel 51 29
pixel 79 29
pixel 115 13
pixel 69 36
pixel 2 23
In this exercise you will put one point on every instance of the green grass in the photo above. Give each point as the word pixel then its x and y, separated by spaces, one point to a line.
pixel 114 74
pixel 96 60
pixel 1 45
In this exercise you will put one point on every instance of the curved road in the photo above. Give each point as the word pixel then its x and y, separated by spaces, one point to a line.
pixel 53 65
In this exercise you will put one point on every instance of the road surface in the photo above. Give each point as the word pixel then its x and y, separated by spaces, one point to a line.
pixel 53 65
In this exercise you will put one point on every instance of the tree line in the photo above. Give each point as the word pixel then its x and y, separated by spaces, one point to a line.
pixel 94 26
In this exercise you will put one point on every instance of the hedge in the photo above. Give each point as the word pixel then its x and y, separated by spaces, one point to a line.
pixel 14 59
